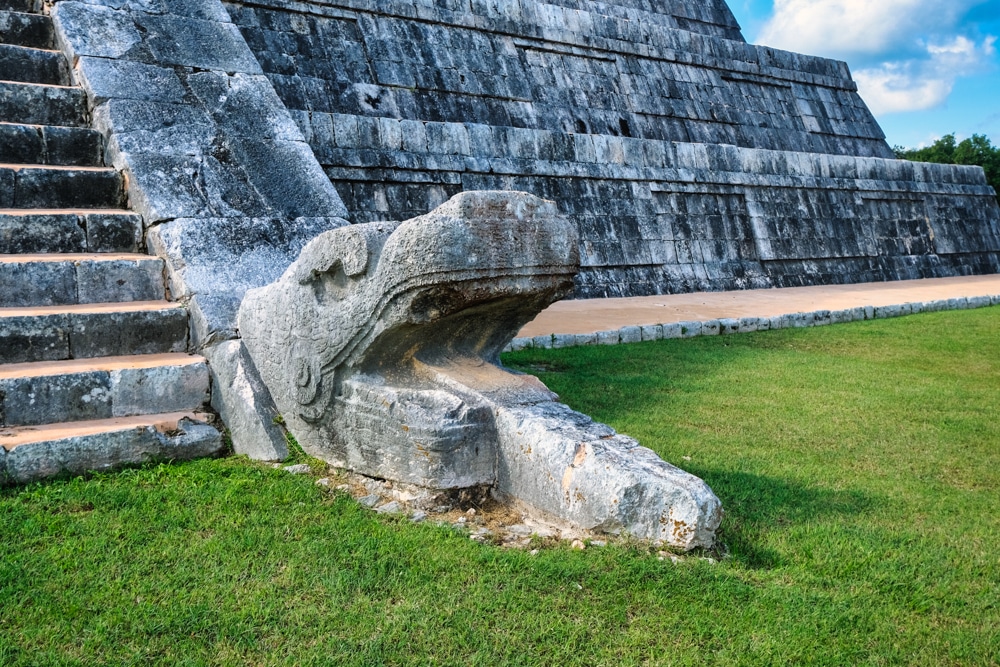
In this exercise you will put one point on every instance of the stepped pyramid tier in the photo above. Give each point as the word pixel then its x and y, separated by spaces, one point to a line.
pixel 686 158
pixel 94 369
pixel 689 159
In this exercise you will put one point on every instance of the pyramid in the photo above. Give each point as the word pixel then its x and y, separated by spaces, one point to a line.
pixel 689 159
pixel 686 158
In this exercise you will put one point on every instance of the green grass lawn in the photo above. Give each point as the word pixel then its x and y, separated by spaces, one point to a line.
pixel 859 466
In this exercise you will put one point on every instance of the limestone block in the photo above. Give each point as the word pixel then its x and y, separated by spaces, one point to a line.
pixel 244 403
pixel 690 329
pixel 710 327
pixel 978 301
pixel 822 318
pixel 106 79
pixel 184 439
pixel 214 261
pixel 893 310
pixel 97 31
pixel 652 332
pixel 542 342
pixel 608 337
pixel 520 344
pixel 778 322
pixel 563 340
pixel 630 334
pixel 564 463
pixel 169 388
pixel 672 330
pixel 729 325
pixel 380 346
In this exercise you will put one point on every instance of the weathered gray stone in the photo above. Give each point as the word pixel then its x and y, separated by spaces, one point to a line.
pixel 688 158
pixel 978 301
pixel 586 339
pixel 608 337
pixel 244 403
pixel 184 439
pixel 840 316
pixel 882 312
pixel 652 332
pixel 630 334
pixel 520 344
pixel 214 261
pixel 98 31
pixel 729 325
pixel 673 330
pixel 563 340
pixel 542 342
pixel 42 105
pixel 563 463
pixel 106 79
pixel 34 398
pixel 109 334
pixel 690 329
pixel 161 389
pixel 396 328
pixel 710 328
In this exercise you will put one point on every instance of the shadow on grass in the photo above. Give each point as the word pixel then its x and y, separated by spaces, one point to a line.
pixel 621 381
pixel 759 507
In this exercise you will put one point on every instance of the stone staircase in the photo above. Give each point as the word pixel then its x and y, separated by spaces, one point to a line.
pixel 94 371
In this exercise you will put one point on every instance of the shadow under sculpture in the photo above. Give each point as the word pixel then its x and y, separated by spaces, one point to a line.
pixel 381 344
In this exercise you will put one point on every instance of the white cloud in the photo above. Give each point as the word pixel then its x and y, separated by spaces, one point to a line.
pixel 841 27
pixel 907 54
pixel 917 84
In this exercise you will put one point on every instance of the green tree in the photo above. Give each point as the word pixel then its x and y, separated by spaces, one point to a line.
pixel 976 150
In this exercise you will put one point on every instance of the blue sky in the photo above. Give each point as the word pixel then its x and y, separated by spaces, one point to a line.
pixel 925 67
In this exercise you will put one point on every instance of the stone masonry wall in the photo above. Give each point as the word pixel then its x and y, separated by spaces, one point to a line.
pixel 582 70
pixel 662 217
pixel 689 159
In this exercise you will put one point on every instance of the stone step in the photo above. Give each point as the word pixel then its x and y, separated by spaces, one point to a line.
pixel 50 145
pixel 69 231
pixel 37 104
pixel 64 279
pixel 50 392
pixel 32 30
pixel 27 6
pixel 59 333
pixel 32 453
pixel 30 65
pixel 51 186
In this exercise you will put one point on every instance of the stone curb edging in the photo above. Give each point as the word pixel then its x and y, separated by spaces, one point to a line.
pixel 726 326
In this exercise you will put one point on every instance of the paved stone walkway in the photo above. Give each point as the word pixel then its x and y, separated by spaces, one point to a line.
pixel 592 315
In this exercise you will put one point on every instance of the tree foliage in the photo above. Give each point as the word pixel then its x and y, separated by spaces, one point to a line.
pixel 976 150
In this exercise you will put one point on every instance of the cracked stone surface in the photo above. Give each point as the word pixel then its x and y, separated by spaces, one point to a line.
pixel 380 346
